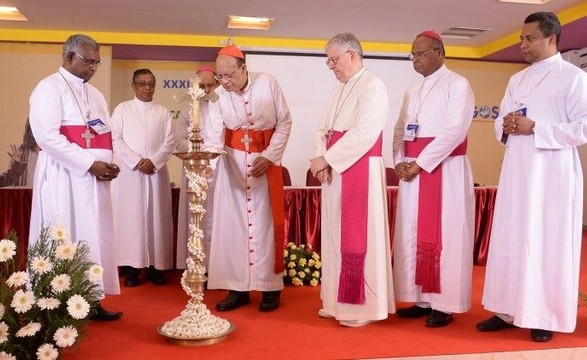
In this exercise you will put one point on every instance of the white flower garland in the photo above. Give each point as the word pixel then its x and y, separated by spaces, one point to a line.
pixel 196 322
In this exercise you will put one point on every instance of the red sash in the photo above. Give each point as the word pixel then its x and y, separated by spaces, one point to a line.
pixel 353 225
pixel 259 141
pixel 77 134
pixel 429 217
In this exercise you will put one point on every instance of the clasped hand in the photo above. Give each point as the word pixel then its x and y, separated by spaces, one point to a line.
pixel 321 169
pixel 104 171
pixel 407 171
pixel 517 124
pixel 146 166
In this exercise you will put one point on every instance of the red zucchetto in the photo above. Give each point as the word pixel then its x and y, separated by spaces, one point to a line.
pixel 431 34
pixel 205 68
pixel 231 50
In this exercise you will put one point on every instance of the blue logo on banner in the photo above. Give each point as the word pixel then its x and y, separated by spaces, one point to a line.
pixel 176 84
pixel 485 112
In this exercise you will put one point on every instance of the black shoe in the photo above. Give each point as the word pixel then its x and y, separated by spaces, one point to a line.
pixel 494 323
pixel 234 300
pixel 104 315
pixel 438 319
pixel 131 281
pixel 413 311
pixel 132 276
pixel 156 276
pixel 270 301
pixel 540 335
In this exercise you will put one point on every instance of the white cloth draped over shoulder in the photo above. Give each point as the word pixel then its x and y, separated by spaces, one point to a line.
pixel 64 192
pixel 363 115
pixel 532 268
pixel 442 104
pixel 143 223
pixel 242 248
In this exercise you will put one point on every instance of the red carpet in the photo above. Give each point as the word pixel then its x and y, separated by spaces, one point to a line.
pixel 296 331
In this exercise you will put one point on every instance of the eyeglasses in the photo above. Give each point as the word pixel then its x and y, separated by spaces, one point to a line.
pixel 227 76
pixel 145 84
pixel 334 60
pixel 420 54
pixel 88 62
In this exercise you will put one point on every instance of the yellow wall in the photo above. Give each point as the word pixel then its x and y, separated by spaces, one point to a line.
pixel 488 81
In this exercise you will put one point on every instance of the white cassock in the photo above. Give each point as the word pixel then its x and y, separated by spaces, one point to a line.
pixel 443 105
pixel 143 223
pixel 182 145
pixel 242 248
pixel 361 110
pixel 533 262
pixel 64 192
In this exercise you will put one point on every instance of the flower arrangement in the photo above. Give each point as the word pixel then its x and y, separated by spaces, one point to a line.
pixel 302 265
pixel 46 308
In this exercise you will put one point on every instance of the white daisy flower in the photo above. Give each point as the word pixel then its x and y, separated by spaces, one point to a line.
pixel 29 330
pixel 314 282
pixel 95 273
pixel 66 251
pixel 78 307
pixel 61 283
pixel 7 249
pixel 22 301
pixel 47 352
pixel 41 265
pixel 48 303
pixel 3 332
pixel 17 279
pixel 6 356
pixel 59 233
pixel 65 336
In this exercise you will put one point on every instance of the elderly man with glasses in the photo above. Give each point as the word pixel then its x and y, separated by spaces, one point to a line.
pixel 433 256
pixel 71 123
pixel 357 283
pixel 251 122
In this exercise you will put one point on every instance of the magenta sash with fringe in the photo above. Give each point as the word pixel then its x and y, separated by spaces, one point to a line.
pixel 353 225
pixel 429 217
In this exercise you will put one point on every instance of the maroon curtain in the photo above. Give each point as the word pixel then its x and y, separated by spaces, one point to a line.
pixel 312 218
pixel 15 214
pixel 484 203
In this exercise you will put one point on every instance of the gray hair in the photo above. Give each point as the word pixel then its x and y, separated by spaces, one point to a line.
pixel 345 42
pixel 75 44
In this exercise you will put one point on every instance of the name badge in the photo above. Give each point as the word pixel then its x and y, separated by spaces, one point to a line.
pixel 522 111
pixel 99 126
pixel 411 131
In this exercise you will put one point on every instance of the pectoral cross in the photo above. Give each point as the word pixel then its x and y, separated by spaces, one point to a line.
pixel 246 140
pixel 88 136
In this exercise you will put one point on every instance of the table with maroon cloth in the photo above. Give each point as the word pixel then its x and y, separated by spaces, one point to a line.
pixel 302 216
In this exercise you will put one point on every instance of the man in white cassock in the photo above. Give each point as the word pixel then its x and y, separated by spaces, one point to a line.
pixel 532 275
pixel 70 121
pixel 251 122
pixel 143 143
pixel 207 83
pixel 435 219
pixel 357 283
